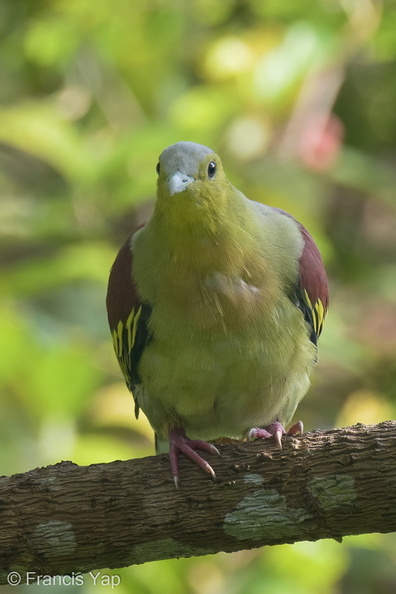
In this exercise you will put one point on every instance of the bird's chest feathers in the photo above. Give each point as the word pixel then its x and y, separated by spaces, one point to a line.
pixel 213 289
pixel 222 300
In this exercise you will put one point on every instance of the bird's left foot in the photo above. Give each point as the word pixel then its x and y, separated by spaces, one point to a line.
pixel 275 430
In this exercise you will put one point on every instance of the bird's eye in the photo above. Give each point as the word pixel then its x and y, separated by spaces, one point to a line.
pixel 158 168
pixel 211 169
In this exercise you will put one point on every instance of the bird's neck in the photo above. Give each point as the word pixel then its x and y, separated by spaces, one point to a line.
pixel 206 242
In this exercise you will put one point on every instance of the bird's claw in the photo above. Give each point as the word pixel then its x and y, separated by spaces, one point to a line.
pixel 275 430
pixel 296 428
pixel 180 443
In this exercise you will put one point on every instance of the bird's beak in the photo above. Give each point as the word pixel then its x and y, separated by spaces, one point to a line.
pixel 178 182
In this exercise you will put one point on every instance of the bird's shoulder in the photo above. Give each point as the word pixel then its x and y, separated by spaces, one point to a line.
pixel 301 263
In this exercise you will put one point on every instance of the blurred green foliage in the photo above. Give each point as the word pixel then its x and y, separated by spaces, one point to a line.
pixel 298 98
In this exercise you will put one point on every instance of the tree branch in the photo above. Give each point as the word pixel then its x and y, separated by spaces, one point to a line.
pixel 67 518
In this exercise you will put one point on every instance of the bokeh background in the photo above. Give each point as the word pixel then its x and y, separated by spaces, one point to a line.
pixel 299 99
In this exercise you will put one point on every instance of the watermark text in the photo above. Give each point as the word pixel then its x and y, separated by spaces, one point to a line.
pixel 96 578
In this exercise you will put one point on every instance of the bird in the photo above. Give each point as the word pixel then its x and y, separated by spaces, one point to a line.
pixel 215 307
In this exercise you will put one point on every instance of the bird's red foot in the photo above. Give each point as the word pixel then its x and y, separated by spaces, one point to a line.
pixel 275 430
pixel 180 443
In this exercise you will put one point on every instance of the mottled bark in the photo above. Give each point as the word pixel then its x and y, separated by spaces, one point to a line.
pixel 67 518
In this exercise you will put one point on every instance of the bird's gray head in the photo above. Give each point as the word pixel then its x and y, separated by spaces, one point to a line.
pixel 181 163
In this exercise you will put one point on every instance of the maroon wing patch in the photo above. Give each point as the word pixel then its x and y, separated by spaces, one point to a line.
pixel 313 290
pixel 128 317
pixel 311 295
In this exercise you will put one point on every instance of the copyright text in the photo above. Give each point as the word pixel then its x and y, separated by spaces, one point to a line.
pixel 14 578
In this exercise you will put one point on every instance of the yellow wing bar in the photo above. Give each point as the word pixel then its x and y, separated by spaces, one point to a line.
pixel 123 340
pixel 318 313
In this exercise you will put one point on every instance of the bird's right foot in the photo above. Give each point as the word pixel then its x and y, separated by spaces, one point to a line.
pixel 180 443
